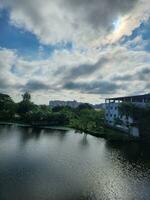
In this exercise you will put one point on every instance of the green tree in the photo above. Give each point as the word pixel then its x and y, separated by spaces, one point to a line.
pixel 7 107
pixel 26 97
pixel 84 106
pixel 25 106
pixel 140 115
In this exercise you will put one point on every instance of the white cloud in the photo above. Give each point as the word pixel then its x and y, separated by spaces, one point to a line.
pixel 45 78
pixel 94 28
pixel 7 60
pixel 83 22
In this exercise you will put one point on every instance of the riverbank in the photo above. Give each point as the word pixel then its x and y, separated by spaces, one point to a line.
pixel 109 134
pixel 105 132
pixel 16 124
pixel 37 126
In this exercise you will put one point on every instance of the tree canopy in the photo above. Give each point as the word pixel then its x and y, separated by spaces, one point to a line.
pixel 141 115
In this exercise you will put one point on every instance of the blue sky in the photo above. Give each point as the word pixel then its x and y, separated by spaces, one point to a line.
pixel 74 50
pixel 26 43
pixel 143 30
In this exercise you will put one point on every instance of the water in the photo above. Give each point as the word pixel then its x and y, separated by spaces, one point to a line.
pixel 38 164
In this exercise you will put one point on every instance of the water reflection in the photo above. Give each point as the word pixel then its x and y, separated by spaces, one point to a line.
pixel 132 152
pixel 84 141
pixel 47 164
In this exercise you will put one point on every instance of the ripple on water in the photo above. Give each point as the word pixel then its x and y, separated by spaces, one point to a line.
pixel 40 164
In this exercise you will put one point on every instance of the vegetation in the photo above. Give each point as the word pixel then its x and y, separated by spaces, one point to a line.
pixel 83 118
pixel 140 115
pixel 7 107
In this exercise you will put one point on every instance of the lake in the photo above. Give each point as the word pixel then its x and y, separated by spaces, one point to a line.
pixel 42 164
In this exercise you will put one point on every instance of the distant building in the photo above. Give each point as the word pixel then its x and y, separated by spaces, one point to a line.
pixel 56 103
pixel 74 104
pixel 100 106
pixel 112 112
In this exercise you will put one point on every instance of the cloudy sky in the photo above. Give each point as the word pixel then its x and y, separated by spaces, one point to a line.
pixel 74 49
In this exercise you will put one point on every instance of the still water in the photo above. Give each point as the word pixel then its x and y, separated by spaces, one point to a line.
pixel 38 164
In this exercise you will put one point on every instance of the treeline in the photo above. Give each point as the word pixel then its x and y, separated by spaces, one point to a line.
pixel 84 117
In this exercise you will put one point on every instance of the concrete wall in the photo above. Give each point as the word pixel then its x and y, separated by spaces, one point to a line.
pixel 111 112
pixel 134 131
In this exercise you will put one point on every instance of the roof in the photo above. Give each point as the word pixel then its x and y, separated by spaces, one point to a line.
pixel 134 98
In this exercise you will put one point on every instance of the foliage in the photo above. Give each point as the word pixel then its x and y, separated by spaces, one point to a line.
pixel 87 119
pixel 114 135
pixel 25 107
pixel 60 108
pixel 140 115
pixel 7 107
pixel 83 106
pixel 26 97
pixel 127 109
pixel 83 118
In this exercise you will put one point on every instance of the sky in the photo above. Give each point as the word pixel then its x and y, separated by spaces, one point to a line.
pixel 84 50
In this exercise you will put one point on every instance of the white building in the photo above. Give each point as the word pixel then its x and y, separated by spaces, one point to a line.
pixel 56 103
pixel 113 116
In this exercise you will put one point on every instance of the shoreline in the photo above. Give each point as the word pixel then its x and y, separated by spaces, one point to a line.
pixel 36 126
pixel 107 133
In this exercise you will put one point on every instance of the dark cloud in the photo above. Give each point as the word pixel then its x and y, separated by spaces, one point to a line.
pixel 141 75
pixel 127 77
pixel 94 87
pixel 4 83
pixel 144 74
pixel 147 87
pixel 86 69
pixel 35 85
pixel 6 86
pixel 100 13
pixel 82 70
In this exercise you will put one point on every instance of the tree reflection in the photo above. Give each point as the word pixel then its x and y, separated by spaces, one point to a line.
pixel 30 133
pixel 84 141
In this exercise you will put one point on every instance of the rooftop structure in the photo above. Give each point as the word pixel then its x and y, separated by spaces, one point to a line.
pixel 137 98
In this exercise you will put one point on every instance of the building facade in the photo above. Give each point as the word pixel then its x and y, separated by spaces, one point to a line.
pixel 56 103
pixel 113 116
